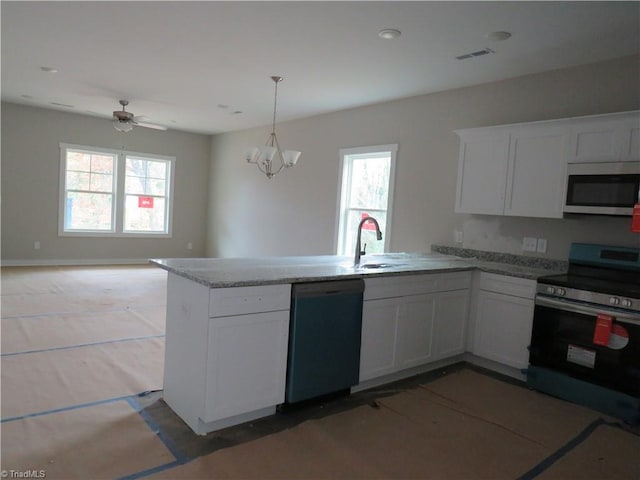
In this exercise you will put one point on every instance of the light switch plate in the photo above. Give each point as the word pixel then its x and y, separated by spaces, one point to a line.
pixel 542 245
pixel 458 236
pixel 529 244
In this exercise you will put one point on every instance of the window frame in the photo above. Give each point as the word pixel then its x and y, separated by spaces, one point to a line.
pixel 347 155
pixel 118 193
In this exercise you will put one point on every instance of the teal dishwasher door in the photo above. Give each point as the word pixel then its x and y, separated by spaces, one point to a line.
pixel 324 338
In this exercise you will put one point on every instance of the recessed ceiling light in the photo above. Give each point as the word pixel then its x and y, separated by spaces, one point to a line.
pixel 28 97
pixel 223 106
pixel 49 69
pixel 389 33
pixel 498 36
pixel 237 112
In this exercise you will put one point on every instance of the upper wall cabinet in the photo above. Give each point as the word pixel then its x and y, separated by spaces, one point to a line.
pixel 606 138
pixel 520 169
pixel 482 172
pixel 517 171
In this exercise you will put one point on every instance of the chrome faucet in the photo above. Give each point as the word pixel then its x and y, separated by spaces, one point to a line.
pixel 359 250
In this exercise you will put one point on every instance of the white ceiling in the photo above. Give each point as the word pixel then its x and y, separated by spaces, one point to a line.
pixel 181 63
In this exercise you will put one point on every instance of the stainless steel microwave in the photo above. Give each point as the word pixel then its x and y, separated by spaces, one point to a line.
pixel 611 188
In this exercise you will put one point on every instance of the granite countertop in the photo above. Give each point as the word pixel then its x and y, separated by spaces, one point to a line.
pixel 236 272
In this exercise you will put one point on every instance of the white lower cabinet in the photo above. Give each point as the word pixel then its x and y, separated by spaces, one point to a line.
pixel 248 354
pixel 450 329
pixel 503 316
pixel 379 337
pixel 404 331
pixel 225 352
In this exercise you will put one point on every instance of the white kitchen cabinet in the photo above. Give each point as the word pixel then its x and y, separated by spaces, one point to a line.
pixel 537 167
pixel 503 316
pixel 378 351
pixel 450 328
pixel 513 170
pixel 225 352
pixel 415 330
pixel 606 138
pixel 482 171
pixel 249 355
pixel 520 169
pixel 409 321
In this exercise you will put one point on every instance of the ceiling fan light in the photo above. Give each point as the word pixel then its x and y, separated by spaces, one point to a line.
pixel 122 126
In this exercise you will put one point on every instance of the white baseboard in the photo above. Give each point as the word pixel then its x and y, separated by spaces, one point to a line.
pixel 73 262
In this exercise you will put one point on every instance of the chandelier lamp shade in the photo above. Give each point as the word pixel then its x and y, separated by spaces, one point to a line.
pixel 270 158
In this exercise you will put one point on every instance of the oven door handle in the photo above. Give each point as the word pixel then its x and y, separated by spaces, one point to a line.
pixel 587 309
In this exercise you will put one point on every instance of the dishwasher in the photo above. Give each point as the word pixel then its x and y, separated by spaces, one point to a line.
pixel 324 338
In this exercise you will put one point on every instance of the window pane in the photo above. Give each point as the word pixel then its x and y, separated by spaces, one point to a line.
pixel 370 183
pixel 136 167
pixel 102 164
pixel 134 185
pixel 146 177
pixel 101 182
pixel 368 231
pixel 88 211
pixel 155 187
pixel 144 214
pixel 157 169
pixel 78 161
pixel 78 181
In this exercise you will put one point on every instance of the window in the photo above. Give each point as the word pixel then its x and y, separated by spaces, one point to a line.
pixel 367 190
pixel 114 193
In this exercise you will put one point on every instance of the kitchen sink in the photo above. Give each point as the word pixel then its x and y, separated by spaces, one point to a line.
pixel 382 265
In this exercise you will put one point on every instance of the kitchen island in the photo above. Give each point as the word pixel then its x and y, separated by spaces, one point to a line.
pixel 227 325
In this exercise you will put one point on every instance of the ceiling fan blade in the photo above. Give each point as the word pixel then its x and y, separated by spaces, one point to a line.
pixel 150 125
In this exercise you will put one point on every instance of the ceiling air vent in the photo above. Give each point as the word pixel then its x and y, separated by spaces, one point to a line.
pixel 479 53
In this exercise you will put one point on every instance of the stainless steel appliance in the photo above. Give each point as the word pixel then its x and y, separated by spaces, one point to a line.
pixel 324 338
pixel 608 188
pixel 585 343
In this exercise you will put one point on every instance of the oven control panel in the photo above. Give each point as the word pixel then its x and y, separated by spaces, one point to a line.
pixel 603 299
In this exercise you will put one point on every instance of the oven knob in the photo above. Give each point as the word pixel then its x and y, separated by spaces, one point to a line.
pixel 551 290
pixel 614 301
pixel 626 302
pixel 561 292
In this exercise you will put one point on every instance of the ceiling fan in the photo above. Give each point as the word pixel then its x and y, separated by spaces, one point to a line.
pixel 124 121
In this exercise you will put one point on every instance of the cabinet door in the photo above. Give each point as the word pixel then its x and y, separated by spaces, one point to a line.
pixel 246 363
pixel 631 139
pixel 599 140
pixel 379 337
pixel 503 328
pixel 450 323
pixel 415 330
pixel 536 181
pixel 482 173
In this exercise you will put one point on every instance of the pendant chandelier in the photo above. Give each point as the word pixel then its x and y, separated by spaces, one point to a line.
pixel 264 156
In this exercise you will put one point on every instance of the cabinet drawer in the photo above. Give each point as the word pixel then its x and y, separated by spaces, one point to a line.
pixel 514 286
pixel 404 285
pixel 400 286
pixel 242 300
pixel 454 281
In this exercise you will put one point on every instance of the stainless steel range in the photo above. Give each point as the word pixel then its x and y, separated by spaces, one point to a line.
pixel 585 344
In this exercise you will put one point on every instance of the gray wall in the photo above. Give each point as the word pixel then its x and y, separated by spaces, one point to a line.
pixel 295 213
pixel 30 175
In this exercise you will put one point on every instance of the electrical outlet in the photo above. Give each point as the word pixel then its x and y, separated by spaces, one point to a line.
pixel 189 246
pixel 458 236
pixel 36 245
pixel 529 244
pixel 542 245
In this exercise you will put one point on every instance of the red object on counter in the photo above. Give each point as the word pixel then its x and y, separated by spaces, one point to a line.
pixel 635 219
pixel 604 325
